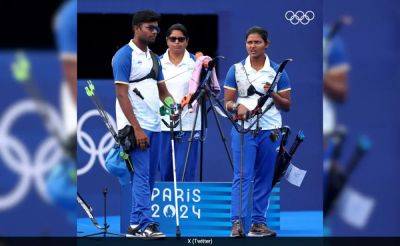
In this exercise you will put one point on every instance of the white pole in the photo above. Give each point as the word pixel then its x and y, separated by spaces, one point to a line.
pixel 175 188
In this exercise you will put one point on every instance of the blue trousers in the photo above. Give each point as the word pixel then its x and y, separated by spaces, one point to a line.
pixel 258 166
pixel 181 146
pixel 145 163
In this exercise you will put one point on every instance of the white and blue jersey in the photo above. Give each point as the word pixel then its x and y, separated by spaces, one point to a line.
pixel 334 59
pixel 241 75
pixel 259 150
pixel 131 63
pixel 178 86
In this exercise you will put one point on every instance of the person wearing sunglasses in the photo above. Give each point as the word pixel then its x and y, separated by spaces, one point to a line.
pixel 177 66
pixel 136 68
pixel 260 149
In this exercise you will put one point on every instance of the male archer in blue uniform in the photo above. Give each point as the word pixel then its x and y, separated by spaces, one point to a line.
pixel 135 66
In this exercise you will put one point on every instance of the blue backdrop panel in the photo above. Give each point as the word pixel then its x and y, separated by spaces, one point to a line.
pixel 204 208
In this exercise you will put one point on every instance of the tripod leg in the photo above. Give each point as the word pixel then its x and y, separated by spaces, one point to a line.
pixel 203 126
pixel 190 142
pixel 201 156
pixel 105 212
pixel 221 133
pixel 241 178
pixel 178 230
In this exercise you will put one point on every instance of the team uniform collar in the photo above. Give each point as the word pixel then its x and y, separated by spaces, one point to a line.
pixel 266 66
pixel 137 50
pixel 185 58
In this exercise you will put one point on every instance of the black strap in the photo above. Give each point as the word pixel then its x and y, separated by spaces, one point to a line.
pixel 153 74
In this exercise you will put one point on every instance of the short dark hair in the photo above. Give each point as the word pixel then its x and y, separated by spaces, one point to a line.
pixel 178 27
pixel 259 30
pixel 145 16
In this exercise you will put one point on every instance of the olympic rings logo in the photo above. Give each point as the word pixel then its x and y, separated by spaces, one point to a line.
pixel 299 17
pixel 17 158
pixel 87 144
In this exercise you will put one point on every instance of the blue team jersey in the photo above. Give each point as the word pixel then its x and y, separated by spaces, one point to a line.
pixel 239 78
pixel 283 84
pixel 131 63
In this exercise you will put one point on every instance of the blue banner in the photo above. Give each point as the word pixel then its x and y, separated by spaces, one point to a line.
pixel 204 208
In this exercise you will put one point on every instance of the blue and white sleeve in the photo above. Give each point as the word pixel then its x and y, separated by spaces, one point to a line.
pixel 284 82
pixel 230 80
pixel 121 65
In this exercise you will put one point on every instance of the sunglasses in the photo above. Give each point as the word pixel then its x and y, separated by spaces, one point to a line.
pixel 180 39
pixel 153 28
